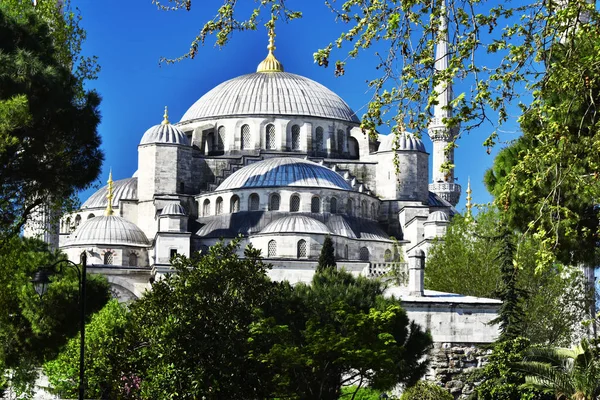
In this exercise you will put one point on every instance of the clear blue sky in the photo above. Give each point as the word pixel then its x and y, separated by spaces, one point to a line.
pixel 129 37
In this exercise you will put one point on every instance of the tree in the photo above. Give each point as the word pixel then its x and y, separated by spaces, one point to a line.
pixel 33 330
pixel 327 256
pixel 48 138
pixel 339 330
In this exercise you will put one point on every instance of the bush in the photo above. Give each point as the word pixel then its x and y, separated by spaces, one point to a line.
pixel 362 394
pixel 424 390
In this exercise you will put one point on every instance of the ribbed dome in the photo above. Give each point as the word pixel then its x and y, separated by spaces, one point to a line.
pixel 173 209
pixel 276 93
pixel 124 189
pixel 164 133
pixel 296 224
pixel 406 142
pixel 294 172
pixel 438 216
pixel 108 230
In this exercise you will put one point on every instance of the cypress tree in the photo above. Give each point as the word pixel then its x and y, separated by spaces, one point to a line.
pixel 327 256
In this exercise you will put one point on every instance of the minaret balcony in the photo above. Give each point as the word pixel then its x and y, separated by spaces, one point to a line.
pixel 447 191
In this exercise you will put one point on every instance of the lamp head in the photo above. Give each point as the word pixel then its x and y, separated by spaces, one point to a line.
pixel 40 281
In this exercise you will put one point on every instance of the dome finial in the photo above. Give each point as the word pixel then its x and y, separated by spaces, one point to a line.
pixel 109 195
pixel 469 206
pixel 270 64
pixel 165 117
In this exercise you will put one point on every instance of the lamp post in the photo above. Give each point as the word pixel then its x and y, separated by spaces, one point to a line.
pixel 41 280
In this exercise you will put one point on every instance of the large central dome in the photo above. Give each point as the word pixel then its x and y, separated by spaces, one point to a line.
pixel 276 93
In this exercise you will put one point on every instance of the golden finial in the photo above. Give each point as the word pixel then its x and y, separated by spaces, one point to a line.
pixel 270 64
pixel 165 117
pixel 109 195
pixel 469 198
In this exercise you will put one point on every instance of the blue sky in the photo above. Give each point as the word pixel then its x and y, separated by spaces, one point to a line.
pixel 129 38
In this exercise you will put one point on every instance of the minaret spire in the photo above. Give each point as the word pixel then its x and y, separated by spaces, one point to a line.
pixel 443 181
pixel 109 195
pixel 469 198
pixel 165 117
pixel 270 64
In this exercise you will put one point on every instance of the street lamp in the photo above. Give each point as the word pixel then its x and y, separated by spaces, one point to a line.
pixel 41 280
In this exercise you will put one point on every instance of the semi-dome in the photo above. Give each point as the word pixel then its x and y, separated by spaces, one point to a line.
pixel 109 230
pixel 294 172
pixel 438 216
pixel 405 142
pixel 270 94
pixel 296 224
pixel 124 189
pixel 173 209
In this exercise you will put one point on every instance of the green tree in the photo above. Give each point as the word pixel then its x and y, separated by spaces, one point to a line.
pixel 336 331
pixel 327 256
pixel 425 390
pixel 49 146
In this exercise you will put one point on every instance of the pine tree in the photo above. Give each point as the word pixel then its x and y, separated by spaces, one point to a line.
pixel 327 256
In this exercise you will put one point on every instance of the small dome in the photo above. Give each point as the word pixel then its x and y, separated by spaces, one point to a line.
pixel 405 142
pixel 173 209
pixel 296 224
pixel 164 133
pixel 123 189
pixel 438 216
pixel 290 172
pixel 108 230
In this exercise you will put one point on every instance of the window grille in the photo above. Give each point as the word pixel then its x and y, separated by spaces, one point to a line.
pixel 221 138
pixel 245 137
pixel 219 206
pixel 387 256
pixel 253 202
pixel 206 208
pixel 364 254
pixel 270 137
pixel 235 204
pixel 295 137
pixel 274 203
pixel 295 203
pixel 133 260
pixel 340 141
pixel 302 248
pixel 350 207
pixel 272 251
pixel 108 258
pixel 315 205
pixel 319 139
pixel 333 205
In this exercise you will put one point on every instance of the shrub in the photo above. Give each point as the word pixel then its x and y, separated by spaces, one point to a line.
pixel 424 390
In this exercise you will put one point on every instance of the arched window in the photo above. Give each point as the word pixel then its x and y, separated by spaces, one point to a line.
pixel 270 137
pixel 253 202
pixel 340 141
pixel 302 248
pixel 315 204
pixel 206 208
pixel 108 258
pixel 346 252
pixel 181 187
pixel 68 225
pixel 333 205
pixel 364 254
pixel 387 256
pixel 245 137
pixel 295 203
pixel 274 202
pixel 77 220
pixel 350 207
pixel 90 216
pixel 221 138
pixel 133 260
pixel 234 204
pixel 319 139
pixel 272 250
pixel 373 212
pixel 219 206
pixel 295 137
pixel 364 209
pixel 210 143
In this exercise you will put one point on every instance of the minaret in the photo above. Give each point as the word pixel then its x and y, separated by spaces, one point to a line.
pixel 443 182
pixel 109 195
pixel 469 205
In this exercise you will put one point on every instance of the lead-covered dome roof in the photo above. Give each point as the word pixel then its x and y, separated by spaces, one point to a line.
pixel 123 189
pixel 274 93
pixel 164 133
pixel 296 224
pixel 108 230
pixel 290 172
pixel 406 141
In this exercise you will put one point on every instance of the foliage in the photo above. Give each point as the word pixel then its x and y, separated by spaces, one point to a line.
pixel 105 355
pixel 33 330
pixel 425 390
pixel 555 299
pixel 49 146
pixel 564 373
pixel 327 256
pixel 359 393
pixel 338 330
